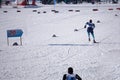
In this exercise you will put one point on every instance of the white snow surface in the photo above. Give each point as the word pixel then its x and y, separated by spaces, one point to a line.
pixel 43 57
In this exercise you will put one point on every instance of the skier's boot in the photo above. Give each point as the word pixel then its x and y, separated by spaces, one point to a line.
pixel 94 41
pixel 89 39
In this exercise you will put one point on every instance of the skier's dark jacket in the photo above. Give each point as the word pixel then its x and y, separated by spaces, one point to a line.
pixel 90 26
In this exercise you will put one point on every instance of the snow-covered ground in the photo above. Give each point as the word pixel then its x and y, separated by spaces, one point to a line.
pixel 43 57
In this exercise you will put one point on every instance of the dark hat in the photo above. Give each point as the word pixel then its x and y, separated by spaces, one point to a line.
pixel 90 20
pixel 70 70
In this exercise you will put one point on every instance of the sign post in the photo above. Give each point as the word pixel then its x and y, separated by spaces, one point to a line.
pixel 21 40
pixel 7 41
pixel 14 33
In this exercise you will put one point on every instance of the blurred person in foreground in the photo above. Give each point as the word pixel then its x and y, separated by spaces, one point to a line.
pixel 71 76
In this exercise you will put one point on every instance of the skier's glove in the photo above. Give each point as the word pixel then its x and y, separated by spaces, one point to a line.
pixel 85 26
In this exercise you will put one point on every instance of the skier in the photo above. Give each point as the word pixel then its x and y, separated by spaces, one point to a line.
pixel 71 75
pixel 90 30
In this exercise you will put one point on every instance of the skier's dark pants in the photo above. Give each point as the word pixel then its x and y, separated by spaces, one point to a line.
pixel 90 31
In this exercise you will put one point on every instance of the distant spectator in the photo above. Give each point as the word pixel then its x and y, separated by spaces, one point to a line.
pixel 71 76
pixel 7 2
pixel 0 3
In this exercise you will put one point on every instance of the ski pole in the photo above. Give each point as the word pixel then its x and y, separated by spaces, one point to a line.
pixel 81 29
pixel 78 29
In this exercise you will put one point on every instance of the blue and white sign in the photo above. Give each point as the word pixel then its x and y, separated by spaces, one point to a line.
pixel 14 33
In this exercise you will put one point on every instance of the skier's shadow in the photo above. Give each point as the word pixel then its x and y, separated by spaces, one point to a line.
pixel 70 44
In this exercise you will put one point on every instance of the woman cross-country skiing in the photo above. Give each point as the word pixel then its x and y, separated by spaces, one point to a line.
pixel 90 30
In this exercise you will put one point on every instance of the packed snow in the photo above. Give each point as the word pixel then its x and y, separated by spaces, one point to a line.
pixel 44 57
